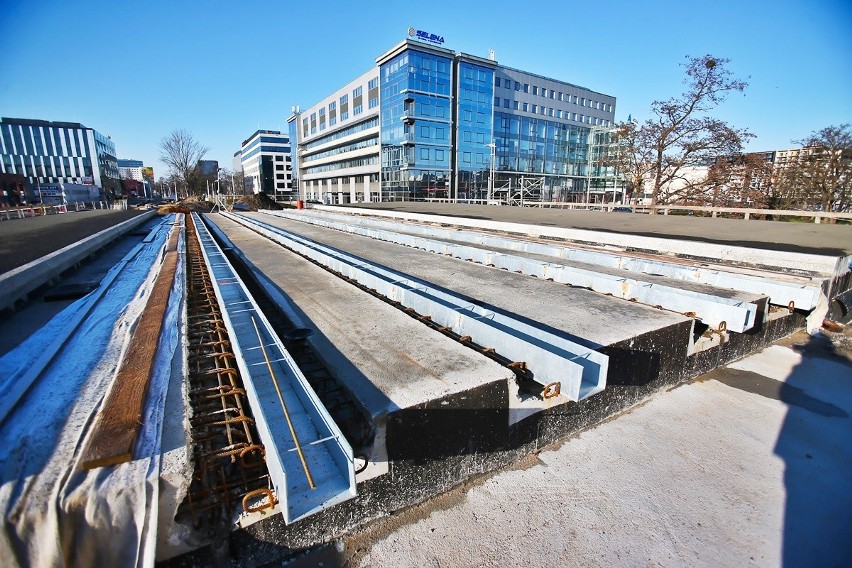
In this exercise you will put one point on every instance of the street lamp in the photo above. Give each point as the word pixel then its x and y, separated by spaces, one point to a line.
pixel 493 148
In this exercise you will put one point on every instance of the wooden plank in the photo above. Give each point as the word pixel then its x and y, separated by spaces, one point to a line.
pixel 117 426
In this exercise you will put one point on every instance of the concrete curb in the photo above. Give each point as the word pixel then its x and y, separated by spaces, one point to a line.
pixel 17 283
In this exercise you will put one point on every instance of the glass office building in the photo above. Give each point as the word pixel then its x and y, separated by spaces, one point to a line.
pixel 452 125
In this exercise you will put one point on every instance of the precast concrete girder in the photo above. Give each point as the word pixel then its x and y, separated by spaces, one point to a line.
pixel 310 462
pixel 550 358
pixel 717 312
pixel 804 296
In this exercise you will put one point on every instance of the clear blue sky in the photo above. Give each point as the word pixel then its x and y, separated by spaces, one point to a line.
pixel 138 70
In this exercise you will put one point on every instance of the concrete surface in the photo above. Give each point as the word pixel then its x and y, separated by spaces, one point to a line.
pixel 747 466
pixel 593 319
pixel 812 238
pixel 372 344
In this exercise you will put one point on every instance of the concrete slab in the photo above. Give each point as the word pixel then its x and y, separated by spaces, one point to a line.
pixel 582 315
pixel 372 345
pixel 745 467
pixel 816 249
pixel 810 238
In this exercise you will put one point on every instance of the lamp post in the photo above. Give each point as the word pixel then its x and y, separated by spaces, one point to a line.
pixel 493 148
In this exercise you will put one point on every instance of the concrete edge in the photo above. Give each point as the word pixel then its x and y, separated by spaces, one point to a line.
pixel 19 282
pixel 827 265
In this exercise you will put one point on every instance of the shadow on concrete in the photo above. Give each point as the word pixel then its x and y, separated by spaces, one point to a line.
pixel 814 444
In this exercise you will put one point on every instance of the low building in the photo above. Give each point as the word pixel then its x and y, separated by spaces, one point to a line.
pixel 47 152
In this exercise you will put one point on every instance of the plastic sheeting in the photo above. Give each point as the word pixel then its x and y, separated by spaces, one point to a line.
pixel 54 512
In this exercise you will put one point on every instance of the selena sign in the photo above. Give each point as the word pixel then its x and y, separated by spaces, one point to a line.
pixel 425 36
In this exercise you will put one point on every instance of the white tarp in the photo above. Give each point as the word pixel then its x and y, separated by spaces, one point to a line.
pixel 54 512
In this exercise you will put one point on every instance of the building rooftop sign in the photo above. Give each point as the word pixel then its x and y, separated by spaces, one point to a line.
pixel 425 36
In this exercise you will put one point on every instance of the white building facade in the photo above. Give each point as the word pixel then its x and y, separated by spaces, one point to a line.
pixel 267 164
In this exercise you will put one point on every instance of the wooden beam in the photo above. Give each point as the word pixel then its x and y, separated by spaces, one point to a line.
pixel 117 425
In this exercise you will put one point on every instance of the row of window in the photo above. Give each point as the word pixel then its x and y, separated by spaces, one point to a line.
pixel 550 111
pixel 372 123
pixel 343 149
pixel 354 163
pixel 553 95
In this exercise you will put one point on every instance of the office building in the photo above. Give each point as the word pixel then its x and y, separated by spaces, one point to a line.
pixel 130 169
pixel 266 165
pixel 426 121
pixel 47 152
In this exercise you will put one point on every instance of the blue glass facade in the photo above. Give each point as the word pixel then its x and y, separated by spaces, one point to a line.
pixel 537 147
pixel 458 126
pixel 416 123
pixel 474 129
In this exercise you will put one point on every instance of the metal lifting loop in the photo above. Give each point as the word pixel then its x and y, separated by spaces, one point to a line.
pixel 791 306
pixel 551 390
pixel 723 326
pixel 262 505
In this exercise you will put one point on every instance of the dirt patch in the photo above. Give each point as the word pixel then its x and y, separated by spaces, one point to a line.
pixel 188 205
pixel 255 202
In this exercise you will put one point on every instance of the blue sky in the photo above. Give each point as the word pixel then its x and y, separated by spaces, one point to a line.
pixel 138 70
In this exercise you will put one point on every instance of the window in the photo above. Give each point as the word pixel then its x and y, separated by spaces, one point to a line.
pixel 374 83
pixel 496 81
pixel 466 136
pixel 424 153
pixel 535 90
pixel 496 101
pixel 549 111
pixel 517 105
pixel 596 105
pixel 439 155
pixel 573 116
pixel 560 96
pixel 356 92
pixel 534 109
pixel 525 108
pixel 553 95
pixel 526 88
pixel 558 113
pixel 506 103
pixel 356 110
pixel 582 101
pixel 466 157
pixel 517 86
pixel 374 102
pixel 424 131
pixel 575 99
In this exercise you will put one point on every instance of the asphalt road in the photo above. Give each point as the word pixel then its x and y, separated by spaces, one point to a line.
pixel 25 240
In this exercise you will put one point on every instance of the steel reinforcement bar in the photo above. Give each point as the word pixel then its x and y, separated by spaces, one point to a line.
pixel 310 462
pixel 552 360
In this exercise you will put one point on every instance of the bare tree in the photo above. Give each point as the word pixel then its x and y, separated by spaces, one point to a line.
pixel 681 135
pixel 739 180
pixel 181 152
pixel 819 175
